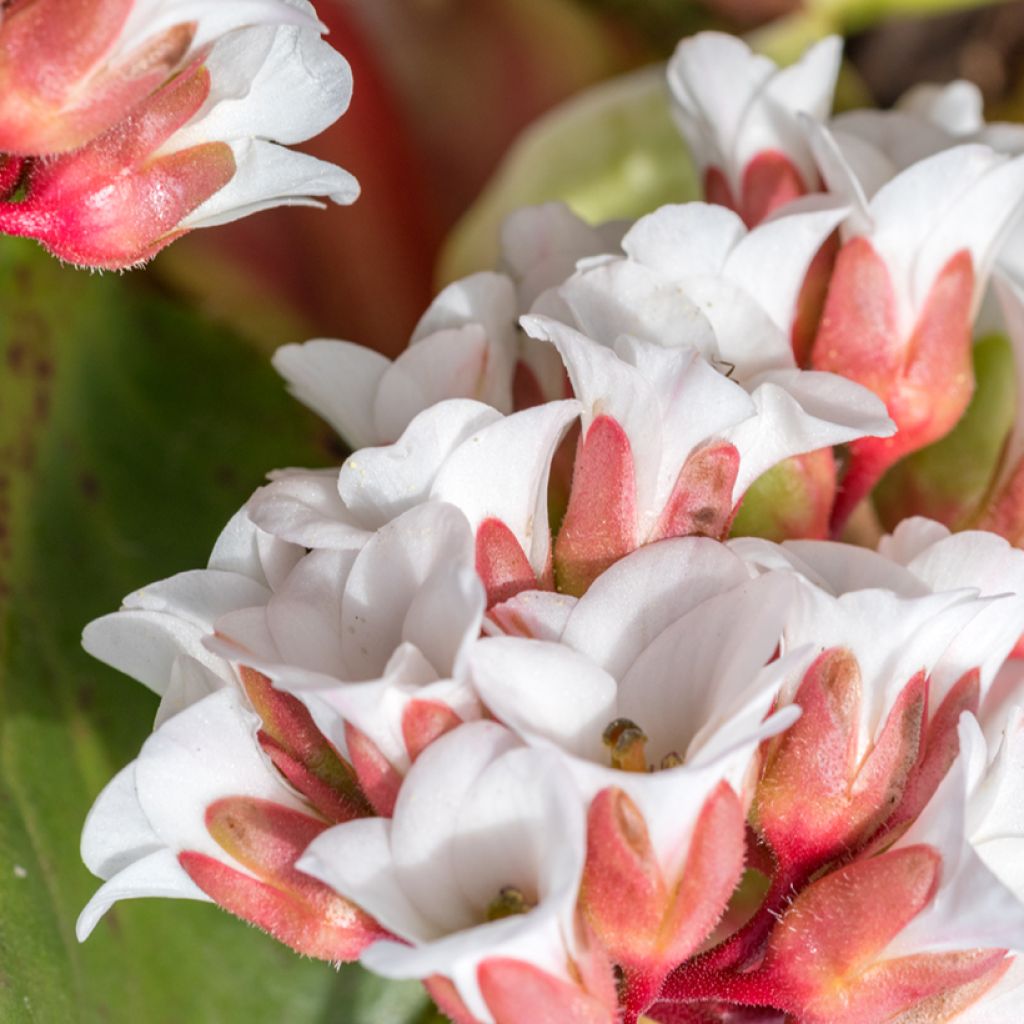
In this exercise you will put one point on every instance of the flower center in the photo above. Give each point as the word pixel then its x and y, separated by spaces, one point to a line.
pixel 509 902
pixel 627 745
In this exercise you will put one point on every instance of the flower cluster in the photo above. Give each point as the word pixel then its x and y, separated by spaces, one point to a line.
pixel 123 125
pixel 499 705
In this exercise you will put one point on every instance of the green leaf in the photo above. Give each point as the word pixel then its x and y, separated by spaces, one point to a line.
pixel 129 433
pixel 612 152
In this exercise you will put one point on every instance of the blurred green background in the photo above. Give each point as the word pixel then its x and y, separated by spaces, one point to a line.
pixel 138 412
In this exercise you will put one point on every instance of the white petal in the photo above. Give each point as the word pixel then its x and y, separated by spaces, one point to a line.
pixel 379 484
pixel 485 298
pixel 841 568
pixel 199 596
pixel 501 472
pixel 957 106
pixel 355 860
pixel 687 240
pixel 268 175
pixel 910 538
pixel 624 297
pixel 158 874
pixel 305 508
pixel 451 363
pixel 388 573
pixel 445 616
pixel 117 832
pixel 145 644
pixel 426 818
pixel 338 381
pixel 546 692
pixel 190 682
pixel 541 246
pixel 770 262
pixel 801 411
pixel 245 549
pixel 714 78
pixel 629 604
pixel 148 19
pixel 206 753
pixel 304 617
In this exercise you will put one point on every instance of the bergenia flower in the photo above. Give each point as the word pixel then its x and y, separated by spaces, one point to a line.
pixel 493 468
pixel 478 874
pixel 202 814
pixel 206 148
pixel 740 115
pixel 67 74
pixel 691 391
pixel 665 760
pixel 599 766
pixel 373 642
pixel 922 249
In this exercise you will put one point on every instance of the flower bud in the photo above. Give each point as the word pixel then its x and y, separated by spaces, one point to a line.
pixel 69 72
pixel 193 154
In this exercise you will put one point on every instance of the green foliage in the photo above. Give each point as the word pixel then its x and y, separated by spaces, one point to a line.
pixel 129 433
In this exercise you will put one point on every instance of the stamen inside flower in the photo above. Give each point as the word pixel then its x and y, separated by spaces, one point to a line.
pixel 509 902
pixel 627 743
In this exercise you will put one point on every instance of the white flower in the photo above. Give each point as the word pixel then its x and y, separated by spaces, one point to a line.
pixel 374 639
pixel 201 814
pixel 203 149
pixel 495 469
pixel 740 113
pixel 673 638
pixel 693 275
pixel 480 864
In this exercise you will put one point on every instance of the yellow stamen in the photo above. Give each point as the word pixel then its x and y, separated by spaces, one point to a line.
pixel 628 745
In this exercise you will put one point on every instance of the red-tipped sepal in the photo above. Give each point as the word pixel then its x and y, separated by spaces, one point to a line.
pixel 516 991
pixel 819 797
pixel 57 89
pixel 925 378
pixel 302 753
pixel 600 523
pixel 267 839
pixel 649 922
pixel 701 502
pixel 116 202
pixel 823 961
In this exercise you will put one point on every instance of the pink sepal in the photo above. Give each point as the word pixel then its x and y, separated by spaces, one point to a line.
pixel 818 798
pixel 378 777
pixel 297 910
pixel 600 523
pixel 112 204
